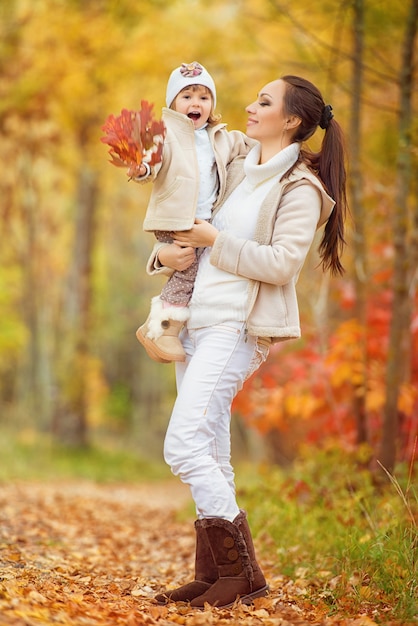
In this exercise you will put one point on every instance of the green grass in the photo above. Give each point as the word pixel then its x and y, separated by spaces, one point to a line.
pixel 31 456
pixel 350 546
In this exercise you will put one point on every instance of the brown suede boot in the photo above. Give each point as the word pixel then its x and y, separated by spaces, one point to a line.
pixel 240 575
pixel 160 333
pixel 206 572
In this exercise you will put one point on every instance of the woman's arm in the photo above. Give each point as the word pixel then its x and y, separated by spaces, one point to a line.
pixel 279 261
pixel 276 262
pixel 201 235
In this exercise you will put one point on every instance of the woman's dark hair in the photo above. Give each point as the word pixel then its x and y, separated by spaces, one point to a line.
pixel 305 101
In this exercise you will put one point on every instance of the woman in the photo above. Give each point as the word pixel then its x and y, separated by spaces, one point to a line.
pixel 244 299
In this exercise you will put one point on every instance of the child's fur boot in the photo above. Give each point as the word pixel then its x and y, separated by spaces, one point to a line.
pixel 160 333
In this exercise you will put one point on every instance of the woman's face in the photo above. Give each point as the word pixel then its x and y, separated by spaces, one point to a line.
pixel 266 120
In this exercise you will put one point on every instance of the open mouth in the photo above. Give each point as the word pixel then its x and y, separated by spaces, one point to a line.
pixel 194 115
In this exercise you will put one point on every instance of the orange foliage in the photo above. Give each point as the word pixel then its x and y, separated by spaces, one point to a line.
pixel 134 137
pixel 300 387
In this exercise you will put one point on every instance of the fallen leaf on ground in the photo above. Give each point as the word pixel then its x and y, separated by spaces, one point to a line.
pixel 95 555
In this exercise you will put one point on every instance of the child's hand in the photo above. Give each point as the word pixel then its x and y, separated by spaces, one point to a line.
pixel 137 170
pixel 176 257
pixel 202 234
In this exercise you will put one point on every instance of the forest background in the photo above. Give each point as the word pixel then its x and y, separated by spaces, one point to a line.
pixel 73 286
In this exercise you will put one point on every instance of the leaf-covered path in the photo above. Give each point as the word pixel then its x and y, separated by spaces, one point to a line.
pixel 81 554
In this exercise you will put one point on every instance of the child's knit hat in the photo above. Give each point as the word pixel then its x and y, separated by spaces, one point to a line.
pixel 189 74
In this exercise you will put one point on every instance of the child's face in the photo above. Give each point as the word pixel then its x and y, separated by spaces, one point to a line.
pixel 195 102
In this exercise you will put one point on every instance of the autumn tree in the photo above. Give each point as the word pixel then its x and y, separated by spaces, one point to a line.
pixel 28 138
pixel 72 282
pixel 51 113
pixel 356 353
pixel 404 272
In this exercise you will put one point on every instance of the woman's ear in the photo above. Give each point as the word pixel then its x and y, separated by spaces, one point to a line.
pixel 293 122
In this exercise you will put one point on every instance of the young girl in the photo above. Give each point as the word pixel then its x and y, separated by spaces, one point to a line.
pixel 244 299
pixel 197 149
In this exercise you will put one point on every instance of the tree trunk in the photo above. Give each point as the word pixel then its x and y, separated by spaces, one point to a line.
pixel 399 337
pixel 34 381
pixel 70 423
pixel 356 190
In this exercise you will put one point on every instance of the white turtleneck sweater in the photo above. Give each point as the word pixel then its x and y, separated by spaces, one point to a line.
pixel 219 296
pixel 208 177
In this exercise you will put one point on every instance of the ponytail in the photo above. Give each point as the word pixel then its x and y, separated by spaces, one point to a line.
pixel 305 101
pixel 331 170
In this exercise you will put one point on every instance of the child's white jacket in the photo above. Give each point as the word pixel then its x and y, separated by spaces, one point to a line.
pixel 288 219
pixel 173 201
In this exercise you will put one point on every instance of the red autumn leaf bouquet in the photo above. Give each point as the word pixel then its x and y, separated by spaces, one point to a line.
pixel 134 137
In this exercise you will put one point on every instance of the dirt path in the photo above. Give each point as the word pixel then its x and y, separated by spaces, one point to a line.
pixel 81 554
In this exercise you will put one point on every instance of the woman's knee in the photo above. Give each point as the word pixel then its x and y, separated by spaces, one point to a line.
pixel 176 455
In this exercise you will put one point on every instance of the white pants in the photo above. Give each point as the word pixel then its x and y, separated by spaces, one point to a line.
pixel 198 443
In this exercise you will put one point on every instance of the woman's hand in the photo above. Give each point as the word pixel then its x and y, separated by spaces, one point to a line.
pixel 202 234
pixel 177 257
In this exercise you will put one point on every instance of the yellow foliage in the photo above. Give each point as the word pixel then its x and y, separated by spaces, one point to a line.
pixel 407 398
pixel 13 332
pixel 302 405
pixel 375 399
pixel 97 391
